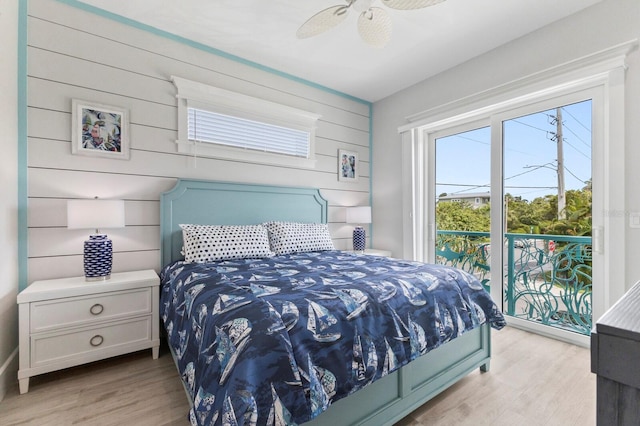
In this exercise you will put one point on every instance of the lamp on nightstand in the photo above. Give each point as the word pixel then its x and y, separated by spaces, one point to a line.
pixel 359 215
pixel 98 249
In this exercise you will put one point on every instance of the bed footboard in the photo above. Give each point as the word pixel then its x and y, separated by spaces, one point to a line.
pixel 393 397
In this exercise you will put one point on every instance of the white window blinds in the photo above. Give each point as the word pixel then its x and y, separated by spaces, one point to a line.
pixel 212 127
pixel 218 123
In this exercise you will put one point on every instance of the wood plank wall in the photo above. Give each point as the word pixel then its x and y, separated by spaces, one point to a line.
pixel 75 54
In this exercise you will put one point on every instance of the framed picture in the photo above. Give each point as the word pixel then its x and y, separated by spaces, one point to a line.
pixel 100 130
pixel 347 166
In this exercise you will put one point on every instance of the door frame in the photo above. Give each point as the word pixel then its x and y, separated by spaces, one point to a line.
pixel 602 75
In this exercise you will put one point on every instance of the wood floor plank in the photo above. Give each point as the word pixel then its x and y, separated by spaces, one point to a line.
pixel 533 381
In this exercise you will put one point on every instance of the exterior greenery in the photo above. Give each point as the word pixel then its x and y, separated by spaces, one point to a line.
pixel 539 216
pixel 548 276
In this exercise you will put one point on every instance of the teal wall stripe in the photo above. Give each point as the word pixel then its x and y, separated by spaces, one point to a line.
pixel 208 49
pixel 23 251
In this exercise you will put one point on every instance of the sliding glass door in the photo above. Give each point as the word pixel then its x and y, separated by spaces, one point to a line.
pixel 462 201
pixel 510 199
pixel 547 202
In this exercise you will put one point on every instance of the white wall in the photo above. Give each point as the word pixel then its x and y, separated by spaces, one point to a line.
pixel 74 54
pixel 599 27
pixel 9 199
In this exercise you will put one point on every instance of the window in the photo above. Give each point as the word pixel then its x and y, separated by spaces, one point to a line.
pixel 211 127
pixel 213 122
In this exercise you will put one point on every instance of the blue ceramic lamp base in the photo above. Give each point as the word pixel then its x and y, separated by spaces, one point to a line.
pixel 359 238
pixel 98 258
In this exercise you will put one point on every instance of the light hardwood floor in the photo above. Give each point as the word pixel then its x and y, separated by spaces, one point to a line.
pixel 533 381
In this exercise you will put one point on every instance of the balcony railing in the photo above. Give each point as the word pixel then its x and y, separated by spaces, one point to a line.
pixel 547 277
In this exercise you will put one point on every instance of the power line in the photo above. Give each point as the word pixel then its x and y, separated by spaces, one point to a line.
pixel 463 184
pixel 459 135
pixel 487 186
pixel 576 119
pixel 473 140
pixel 573 174
pixel 577 150
pixel 531 192
pixel 530 187
pixel 530 125
pixel 554 136
pixel 533 169
pixel 561 126
pixel 578 137
pixel 472 187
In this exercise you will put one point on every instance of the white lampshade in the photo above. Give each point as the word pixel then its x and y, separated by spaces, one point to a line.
pixel 95 214
pixel 361 214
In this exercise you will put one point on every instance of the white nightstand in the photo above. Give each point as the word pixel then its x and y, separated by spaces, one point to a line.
pixel 374 252
pixel 70 321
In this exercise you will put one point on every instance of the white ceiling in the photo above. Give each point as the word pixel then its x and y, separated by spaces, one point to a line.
pixel 424 42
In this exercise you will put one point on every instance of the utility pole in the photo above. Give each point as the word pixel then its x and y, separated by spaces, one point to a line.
pixel 562 201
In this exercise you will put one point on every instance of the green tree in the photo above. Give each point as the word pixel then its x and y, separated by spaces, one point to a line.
pixel 578 221
pixel 528 217
pixel 461 216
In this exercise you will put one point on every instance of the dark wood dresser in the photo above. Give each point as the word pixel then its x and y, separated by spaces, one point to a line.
pixel 615 358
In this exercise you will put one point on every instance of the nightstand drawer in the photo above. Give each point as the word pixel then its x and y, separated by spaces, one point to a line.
pixel 55 348
pixel 83 310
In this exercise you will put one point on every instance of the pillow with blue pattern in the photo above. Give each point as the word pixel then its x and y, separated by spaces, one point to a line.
pixel 207 243
pixel 295 237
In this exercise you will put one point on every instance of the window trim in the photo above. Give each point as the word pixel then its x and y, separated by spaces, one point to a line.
pixel 192 94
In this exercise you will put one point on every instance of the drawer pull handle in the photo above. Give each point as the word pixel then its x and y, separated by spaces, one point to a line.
pixel 96 309
pixel 96 340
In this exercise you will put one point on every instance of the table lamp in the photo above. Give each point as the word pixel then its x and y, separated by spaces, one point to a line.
pixel 359 215
pixel 98 249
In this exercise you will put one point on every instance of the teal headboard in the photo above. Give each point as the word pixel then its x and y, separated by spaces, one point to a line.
pixel 225 203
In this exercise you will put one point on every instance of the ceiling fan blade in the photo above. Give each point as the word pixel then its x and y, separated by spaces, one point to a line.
pixel 409 4
pixel 374 26
pixel 323 21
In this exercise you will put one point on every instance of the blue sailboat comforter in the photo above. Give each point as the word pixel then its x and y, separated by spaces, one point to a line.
pixel 275 341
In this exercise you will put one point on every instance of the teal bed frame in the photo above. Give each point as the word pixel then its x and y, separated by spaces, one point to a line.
pixel 383 402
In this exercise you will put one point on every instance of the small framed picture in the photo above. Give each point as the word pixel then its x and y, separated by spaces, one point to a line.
pixel 348 166
pixel 100 130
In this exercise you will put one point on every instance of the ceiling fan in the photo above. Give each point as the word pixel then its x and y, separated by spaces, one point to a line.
pixel 374 23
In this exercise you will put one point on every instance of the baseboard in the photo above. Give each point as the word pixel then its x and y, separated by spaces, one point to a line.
pixel 551 332
pixel 8 373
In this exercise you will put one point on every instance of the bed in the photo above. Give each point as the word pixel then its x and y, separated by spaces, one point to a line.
pixel 309 335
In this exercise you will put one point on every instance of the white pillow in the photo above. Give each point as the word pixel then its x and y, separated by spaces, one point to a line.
pixel 206 243
pixel 294 237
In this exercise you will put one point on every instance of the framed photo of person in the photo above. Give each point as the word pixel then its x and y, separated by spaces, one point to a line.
pixel 100 130
pixel 348 166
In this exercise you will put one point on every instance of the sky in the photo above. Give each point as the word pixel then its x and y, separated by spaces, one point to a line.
pixel 530 155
